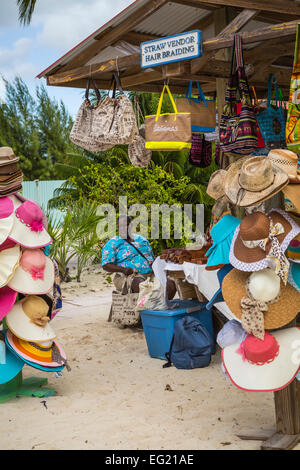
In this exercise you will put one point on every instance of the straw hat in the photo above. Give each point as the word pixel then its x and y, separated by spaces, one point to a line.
pixel 34 275
pixel 7 156
pixel 287 161
pixel 6 218
pixel 28 320
pixel 37 355
pixel 263 365
pixel 28 230
pixel 10 254
pixel 215 188
pixel 279 313
pixel 292 198
pixel 13 365
pixel 255 227
pixel 251 180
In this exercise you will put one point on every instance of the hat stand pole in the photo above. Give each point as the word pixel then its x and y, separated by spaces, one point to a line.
pixel 287 413
pixel 30 387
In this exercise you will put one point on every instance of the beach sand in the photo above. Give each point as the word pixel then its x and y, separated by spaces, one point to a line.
pixel 117 397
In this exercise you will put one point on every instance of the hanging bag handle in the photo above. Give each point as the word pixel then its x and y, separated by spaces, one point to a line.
pixel 88 85
pixel 158 114
pixel 201 94
pixel 272 79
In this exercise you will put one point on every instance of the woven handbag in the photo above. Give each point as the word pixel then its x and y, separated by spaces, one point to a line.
pixel 200 154
pixel 111 122
pixel 124 304
pixel 293 119
pixel 238 134
pixel 271 121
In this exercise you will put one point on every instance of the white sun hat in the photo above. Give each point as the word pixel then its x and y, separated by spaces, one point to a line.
pixel 28 320
pixel 28 229
pixel 6 218
pixel 264 366
pixel 34 275
pixel 10 255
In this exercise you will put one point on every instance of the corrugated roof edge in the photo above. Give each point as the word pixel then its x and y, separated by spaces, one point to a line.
pixel 40 75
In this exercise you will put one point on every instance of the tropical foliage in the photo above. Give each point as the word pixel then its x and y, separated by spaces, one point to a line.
pixel 36 127
pixel 26 9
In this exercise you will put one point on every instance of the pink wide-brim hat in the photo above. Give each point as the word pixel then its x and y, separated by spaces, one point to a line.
pixel 270 376
pixel 7 300
pixel 6 218
pixel 28 230
pixel 34 275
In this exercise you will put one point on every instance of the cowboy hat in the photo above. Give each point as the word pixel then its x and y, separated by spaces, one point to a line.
pixel 251 180
pixel 39 356
pixel 287 161
pixel 279 313
pixel 34 275
pixel 7 156
pixel 28 230
pixel 263 365
pixel 6 218
pixel 10 254
pixel 11 366
pixel 215 188
pixel 28 320
pixel 245 252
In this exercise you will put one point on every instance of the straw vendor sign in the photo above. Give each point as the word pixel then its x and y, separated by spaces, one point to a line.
pixel 184 46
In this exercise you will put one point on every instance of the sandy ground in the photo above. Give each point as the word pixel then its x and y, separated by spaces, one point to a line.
pixel 117 397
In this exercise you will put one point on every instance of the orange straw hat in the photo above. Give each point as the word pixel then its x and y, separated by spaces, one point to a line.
pixel 278 314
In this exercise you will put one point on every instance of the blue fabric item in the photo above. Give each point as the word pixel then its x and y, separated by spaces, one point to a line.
pixel 118 251
pixel 191 346
pixel 222 233
pixel 46 250
pixel 294 275
pixel 13 365
pixel 12 352
pixel 218 297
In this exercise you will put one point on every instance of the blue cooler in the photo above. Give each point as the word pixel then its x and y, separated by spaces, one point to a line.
pixel 159 325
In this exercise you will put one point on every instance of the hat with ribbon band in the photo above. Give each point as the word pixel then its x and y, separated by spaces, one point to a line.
pixel 34 275
pixel 28 230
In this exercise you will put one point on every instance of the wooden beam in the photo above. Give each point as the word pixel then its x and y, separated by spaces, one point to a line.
pixel 288 7
pixel 233 27
pixel 136 38
pixel 86 71
pixel 142 77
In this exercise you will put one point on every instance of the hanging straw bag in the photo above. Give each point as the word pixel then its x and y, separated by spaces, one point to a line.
pixel 203 111
pixel 271 121
pixel 238 133
pixel 169 131
pixel 137 152
pixel 124 304
pixel 81 134
pixel 293 118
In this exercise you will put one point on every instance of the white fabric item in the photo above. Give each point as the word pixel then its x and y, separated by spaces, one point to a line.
pixel 206 281
pixel 264 285
pixel 231 333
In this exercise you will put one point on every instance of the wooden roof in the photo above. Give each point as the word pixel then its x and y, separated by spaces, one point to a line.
pixel 268 29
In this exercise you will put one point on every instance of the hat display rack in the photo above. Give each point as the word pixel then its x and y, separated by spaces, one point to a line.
pixel 260 282
pixel 27 295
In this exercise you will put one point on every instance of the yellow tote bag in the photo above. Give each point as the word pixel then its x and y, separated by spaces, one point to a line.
pixel 169 131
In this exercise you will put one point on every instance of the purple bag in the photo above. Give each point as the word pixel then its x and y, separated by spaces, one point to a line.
pixel 201 151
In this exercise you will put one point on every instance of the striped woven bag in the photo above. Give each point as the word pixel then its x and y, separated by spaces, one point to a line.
pixel 238 131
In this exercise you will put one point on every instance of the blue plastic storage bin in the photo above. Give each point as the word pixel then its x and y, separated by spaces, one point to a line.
pixel 159 325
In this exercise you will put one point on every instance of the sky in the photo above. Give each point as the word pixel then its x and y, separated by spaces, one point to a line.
pixel 56 27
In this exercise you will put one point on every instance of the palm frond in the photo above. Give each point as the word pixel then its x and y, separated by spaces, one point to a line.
pixel 26 9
